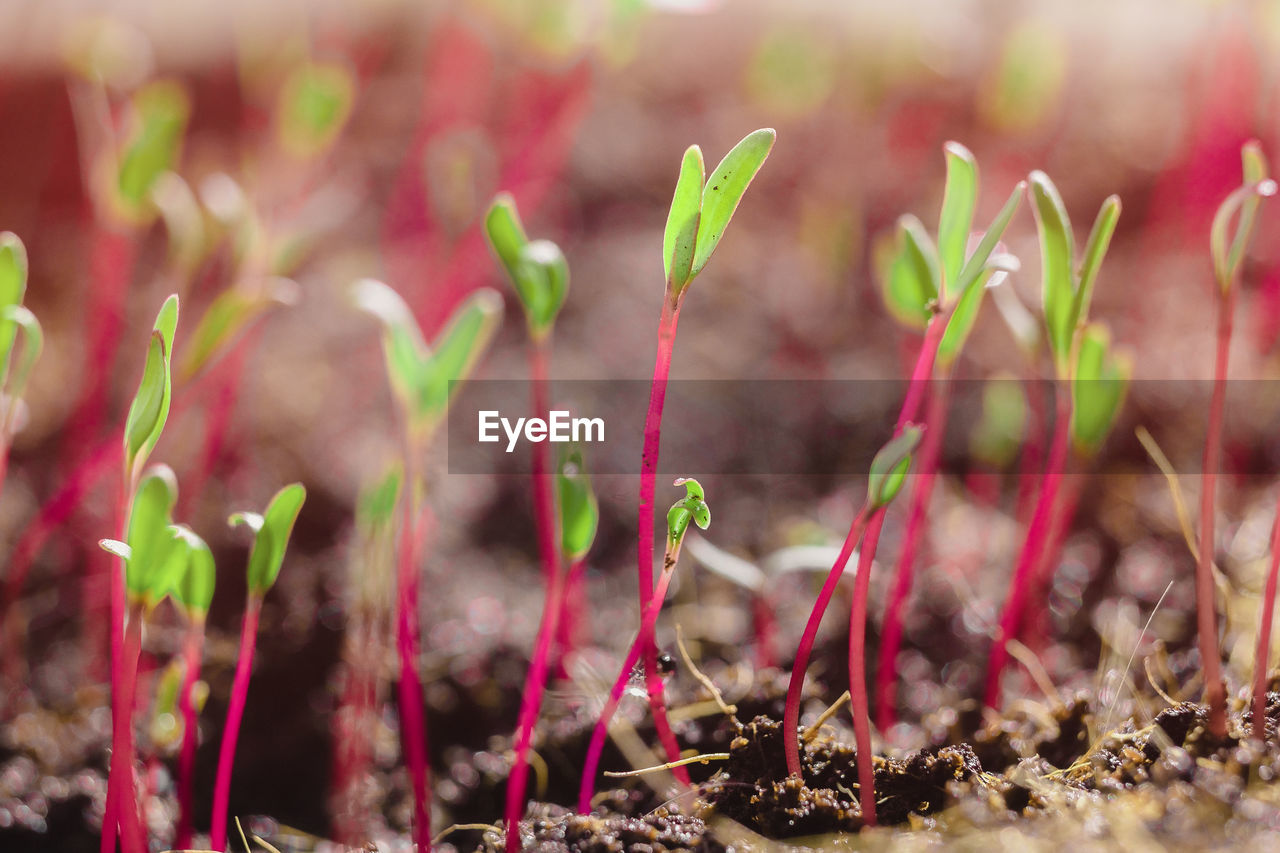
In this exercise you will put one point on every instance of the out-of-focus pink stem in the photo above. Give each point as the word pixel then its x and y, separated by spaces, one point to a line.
pixel 121 812
pixel 413 718
pixel 858 669
pixel 601 730
pixel 1033 547
pixel 1215 694
pixel 1262 655
pixel 644 550
pixel 921 492
pixel 191 653
pixel 235 714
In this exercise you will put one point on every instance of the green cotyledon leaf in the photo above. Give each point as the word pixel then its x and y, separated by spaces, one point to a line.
pixel 890 466
pixel 579 509
pixel 723 190
pixel 150 407
pixel 272 530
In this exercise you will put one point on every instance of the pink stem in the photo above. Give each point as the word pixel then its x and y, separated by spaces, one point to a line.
pixel 530 706
pixel 413 720
pixel 858 669
pixel 1215 693
pixel 596 747
pixel 765 629
pixel 1032 548
pixel 122 807
pixel 910 407
pixel 921 492
pixel 791 711
pixel 235 713
pixel 192 650
pixel 644 550
pixel 569 630
pixel 1034 631
pixel 1263 654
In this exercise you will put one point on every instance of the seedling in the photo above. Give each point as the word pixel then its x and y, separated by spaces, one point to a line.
pixel 146 419
pixel 692 508
pixel 700 212
pixel 923 287
pixel 579 520
pixel 423 381
pixel 1242 205
pixel 271 531
pixel 1067 292
pixel 14 317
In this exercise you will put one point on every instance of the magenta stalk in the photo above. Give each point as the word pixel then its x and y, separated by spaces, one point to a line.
pixel 644 550
pixel 858 669
pixel 235 714
pixel 191 654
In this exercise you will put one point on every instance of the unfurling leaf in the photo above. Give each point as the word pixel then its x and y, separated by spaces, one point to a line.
pixel 1245 200
pixel 537 270
pixel 692 507
pixel 579 510
pixel 272 530
pixel 680 239
pixel 890 466
pixel 150 407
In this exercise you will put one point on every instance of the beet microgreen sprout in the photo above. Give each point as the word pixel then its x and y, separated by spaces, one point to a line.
pixel 540 276
pixel 1241 205
pixel 579 515
pixel 143 425
pixel 271 532
pixel 701 210
pixel 423 381
pixel 314 105
pixel 691 508
pixel 14 318
pixel 938 291
pixel 1067 290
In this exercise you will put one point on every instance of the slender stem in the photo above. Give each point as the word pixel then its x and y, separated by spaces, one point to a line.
pixel 1033 633
pixel 192 650
pixel 1263 654
pixel 791 711
pixel 569 625
pixel 596 748
pixel 644 550
pixel 1215 694
pixel 544 506
pixel 413 719
pixel 858 669
pixel 764 627
pixel 530 707
pixel 1033 547
pixel 921 492
pixel 916 388
pixel 235 713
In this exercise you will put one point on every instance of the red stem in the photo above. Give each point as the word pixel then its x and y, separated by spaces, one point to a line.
pixel 1215 694
pixel 644 549
pixel 1033 547
pixel 921 492
pixel 413 718
pixel 1034 632
pixel 530 706
pixel 648 620
pixel 858 669
pixel 765 629
pixel 910 407
pixel 122 806
pixel 192 651
pixel 569 625
pixel 235 713
pixel 1263 654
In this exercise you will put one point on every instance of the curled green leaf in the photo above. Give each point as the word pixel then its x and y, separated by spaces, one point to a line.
pixel 723 190
pixel 1095 249
pixel 1244 201
pixel 911 288
pixel 272 530
pixel 1057 258
pixel 193 587
pixel 537 270
pixel 13 288
pixel 890 466
pixel 150 407
pixel 692 507
pixel 579 510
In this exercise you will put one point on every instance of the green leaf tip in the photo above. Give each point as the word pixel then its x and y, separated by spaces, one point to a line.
pixel 150 407
pixel 890 466
pixel 703 205
pixel 914 275
pixel 1057 259
pixel 272 530
pixel 579 509
pixel 692 507
pixel 193 588
pixel 536 269
pixel 959 199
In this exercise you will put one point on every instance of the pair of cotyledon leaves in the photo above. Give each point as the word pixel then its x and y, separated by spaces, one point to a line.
pixel 691 508
pixel 14 316
pixel 166 559
pixel 424 378
pixel 923 277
